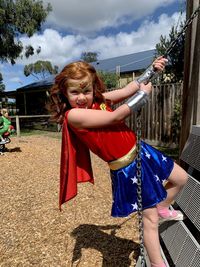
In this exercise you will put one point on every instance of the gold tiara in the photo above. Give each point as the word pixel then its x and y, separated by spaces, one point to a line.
pixel 81 85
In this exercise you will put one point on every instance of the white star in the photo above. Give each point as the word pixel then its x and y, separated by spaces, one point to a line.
pixel 164 158
pixel 134 180
pixel 157 178
pixel 147 155
pixel 135 206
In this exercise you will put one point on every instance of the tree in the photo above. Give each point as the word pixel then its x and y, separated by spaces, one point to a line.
pixel 110 79
pixel 89 56
pixel 17 18
pixel 174 70
pixel 2 86
pixel 40 69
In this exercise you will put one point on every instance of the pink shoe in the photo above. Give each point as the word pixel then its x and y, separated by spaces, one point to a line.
pixel 173 215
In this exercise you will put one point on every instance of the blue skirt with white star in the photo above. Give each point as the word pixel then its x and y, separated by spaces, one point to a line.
pixel 155 169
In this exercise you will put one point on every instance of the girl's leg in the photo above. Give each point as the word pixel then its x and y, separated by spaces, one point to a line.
pixel 176 181
pixel 151 236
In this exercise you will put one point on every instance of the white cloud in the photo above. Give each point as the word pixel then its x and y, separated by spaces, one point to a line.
pixel 86 16
pixel 61 49
pixel 16 80
pixel 54 47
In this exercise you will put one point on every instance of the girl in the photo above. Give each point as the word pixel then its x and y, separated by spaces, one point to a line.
pixel 5 126
pixel 82 106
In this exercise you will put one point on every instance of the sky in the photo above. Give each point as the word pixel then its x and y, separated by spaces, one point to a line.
pixel 109 27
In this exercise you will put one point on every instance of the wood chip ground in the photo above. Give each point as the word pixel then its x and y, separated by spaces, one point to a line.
pixel 33 232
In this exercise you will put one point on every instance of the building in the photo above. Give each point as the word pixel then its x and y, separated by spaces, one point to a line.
pixel 30 99
pixel 127 66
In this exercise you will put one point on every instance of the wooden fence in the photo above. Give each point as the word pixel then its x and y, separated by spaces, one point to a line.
pixel 29 122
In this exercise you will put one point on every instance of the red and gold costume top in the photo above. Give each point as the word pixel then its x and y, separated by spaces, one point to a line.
pixel 109 143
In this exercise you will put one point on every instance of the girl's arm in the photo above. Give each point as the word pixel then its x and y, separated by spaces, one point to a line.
pixel 89 118
pixel 119 95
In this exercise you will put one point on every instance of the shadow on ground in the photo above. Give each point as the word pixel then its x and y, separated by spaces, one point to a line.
pixel 116 251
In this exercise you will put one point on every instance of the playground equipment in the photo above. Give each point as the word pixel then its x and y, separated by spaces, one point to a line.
pixel 7 140
pixel 181 238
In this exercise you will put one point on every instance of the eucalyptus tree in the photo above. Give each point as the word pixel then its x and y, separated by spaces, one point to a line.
pixel 40 69
pixel 18 18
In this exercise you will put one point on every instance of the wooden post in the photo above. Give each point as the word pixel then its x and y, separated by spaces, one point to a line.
pixel 191 82
pixel 25 109
pixel 118 75
pixel 196 70
pixel 17 126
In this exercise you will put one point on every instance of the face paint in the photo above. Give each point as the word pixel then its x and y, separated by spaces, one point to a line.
pixel 79 84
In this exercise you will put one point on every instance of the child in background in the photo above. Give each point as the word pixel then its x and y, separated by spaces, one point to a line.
pixel 5 126
pixel 82 106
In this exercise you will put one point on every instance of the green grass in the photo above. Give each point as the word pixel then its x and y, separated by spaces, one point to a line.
pixel 29 132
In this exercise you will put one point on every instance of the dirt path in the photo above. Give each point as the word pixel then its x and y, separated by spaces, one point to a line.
pixel 33 232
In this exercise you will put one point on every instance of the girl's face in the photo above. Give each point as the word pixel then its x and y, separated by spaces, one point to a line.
pixel 6 114
pixel 80 93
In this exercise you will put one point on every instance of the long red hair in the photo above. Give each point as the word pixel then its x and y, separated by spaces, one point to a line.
pixel 76 70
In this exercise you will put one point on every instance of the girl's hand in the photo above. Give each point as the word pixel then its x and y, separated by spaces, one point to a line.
pixel 157 66
pixel 159 63
pixel 147 88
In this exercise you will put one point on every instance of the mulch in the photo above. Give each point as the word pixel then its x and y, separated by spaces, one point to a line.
pixel 33 232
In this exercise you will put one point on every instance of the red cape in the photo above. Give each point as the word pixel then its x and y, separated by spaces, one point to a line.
pixel 75 164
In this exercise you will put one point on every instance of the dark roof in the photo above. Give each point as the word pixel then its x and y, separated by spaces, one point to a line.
pixel 43 83
pixel 127 63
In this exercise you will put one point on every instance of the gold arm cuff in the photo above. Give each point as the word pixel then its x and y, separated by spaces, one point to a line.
pixel 123 161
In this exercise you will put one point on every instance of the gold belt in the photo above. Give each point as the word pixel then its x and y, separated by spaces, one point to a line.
pixel 123 161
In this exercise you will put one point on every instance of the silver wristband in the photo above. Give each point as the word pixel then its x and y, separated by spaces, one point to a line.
pixel 139 99
pixel 147 75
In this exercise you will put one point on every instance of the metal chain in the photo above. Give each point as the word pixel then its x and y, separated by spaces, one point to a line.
pixel 139 188
pixel 182 32
pixel 138 159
